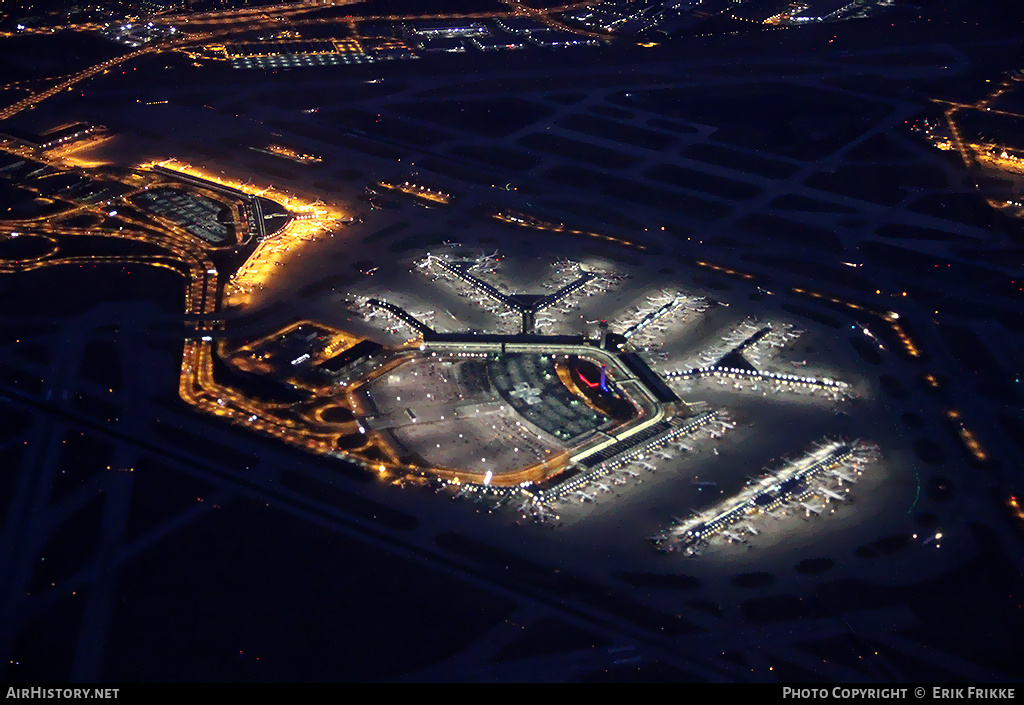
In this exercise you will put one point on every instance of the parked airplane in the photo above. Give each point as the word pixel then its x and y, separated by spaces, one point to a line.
pixel 732 536
pixel 542 513
pixel 750 528
pixel 829 494
pixel 810 509
pixel 842 477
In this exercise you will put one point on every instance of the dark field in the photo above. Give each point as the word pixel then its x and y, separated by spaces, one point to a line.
pixel 810 566
pixel 611 111
pixel 41 55
pixel 25 247
pixel 773 228
pixel 385 126
pixel 887 185
pixel 966 208
pixel 81 458
pixel 761 70
pixel 814 270
pixel 902 58
pixel 913 232
pixel 793 121
pixel 549 636
pixel 529 575
pixel 878 148
pixel 740 161
pixel 386 232
pixel 546 83
pixel 10 463
pixel 753 580
pixel 495 157
pixel 617 131
pixel 261 604
pixel 779 607
pixel 814 315
pixel 209 450
pixel 45 292
pixel 20 380
pixel 70 548
pixel 603 214
pixel 795 202
pixel 710 184
pixel 330 494
pixel 491 117
pixel 681 128
pixel 462 172
pixel 421 240
pixel 932 266
pixel 867 350
pixel 10 196
pixel 566 98
pixel 101 363
pixel 631 191
pixel 161 494
pixel 28 206
pixel 661 581
pixel 95 407
pixel 577 151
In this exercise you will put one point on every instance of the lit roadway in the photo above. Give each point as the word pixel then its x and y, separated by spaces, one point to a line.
pixel 69 81
pixel 66 83
pixel 187 255
pixel 968 152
